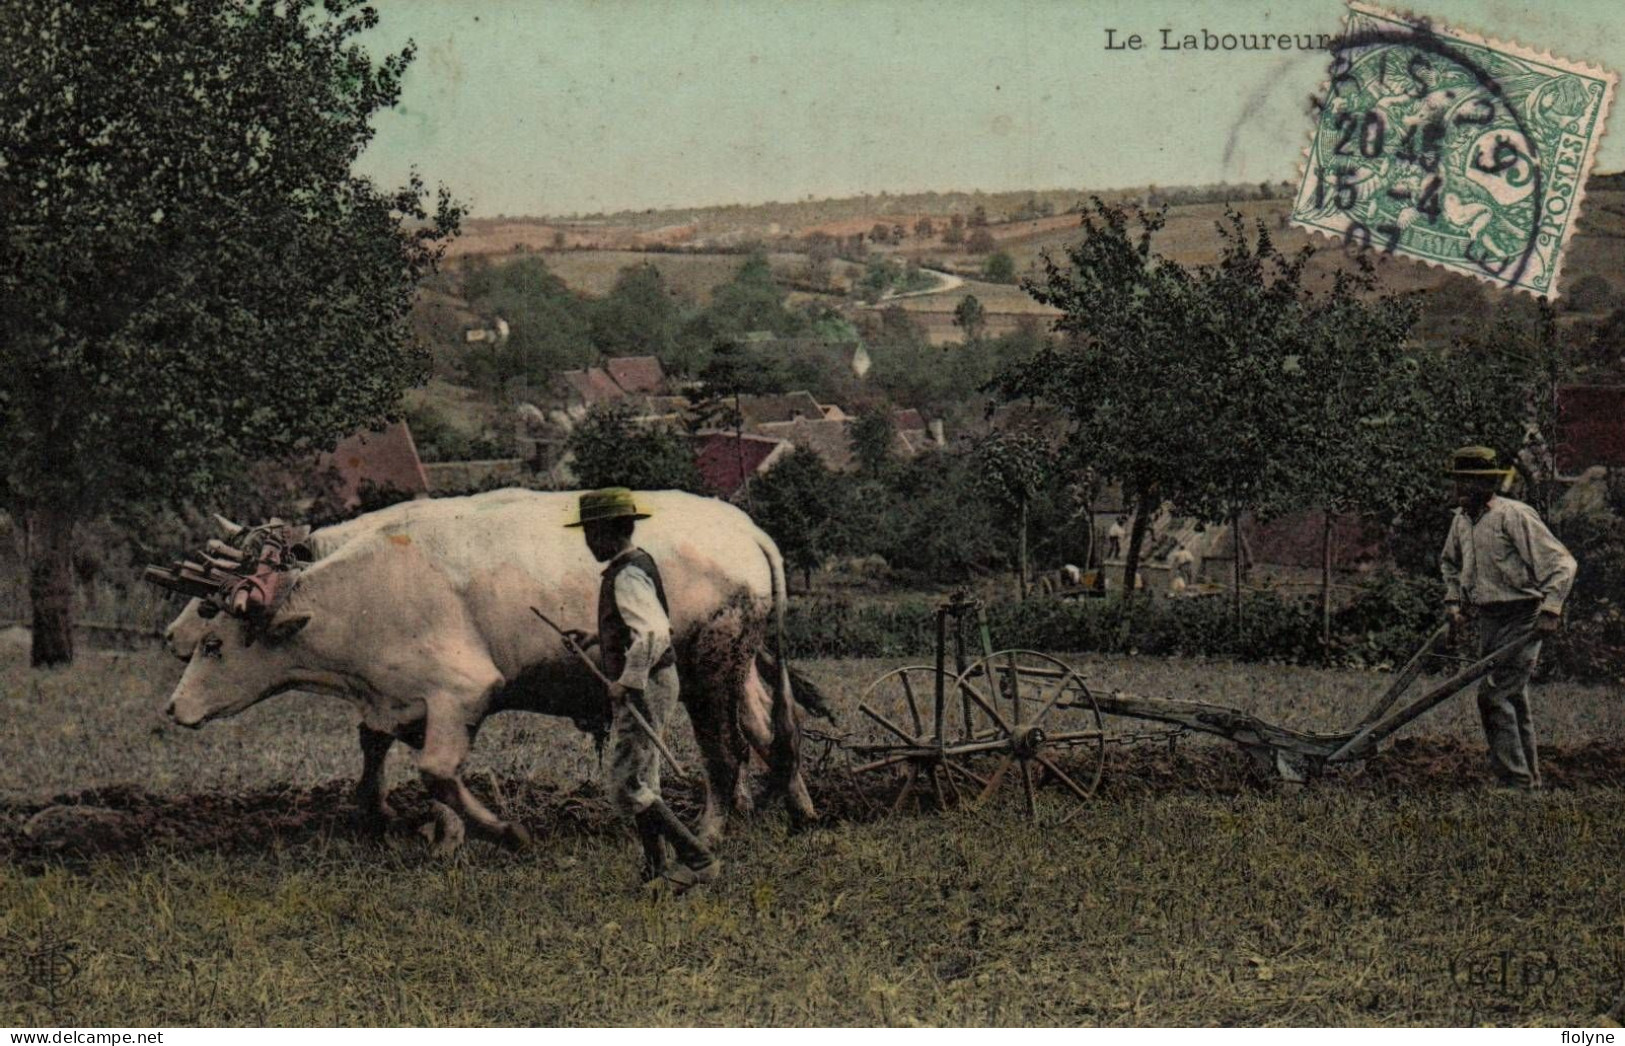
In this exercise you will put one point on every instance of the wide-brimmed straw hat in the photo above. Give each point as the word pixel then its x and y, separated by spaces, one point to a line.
pixel 1477 461
pixel 609 503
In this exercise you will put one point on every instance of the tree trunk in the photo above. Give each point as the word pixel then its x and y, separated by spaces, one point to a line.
pixel 739 449
pixel 1142 522
pixel 1326 587
pixel 1235 572
pixel 1021 555
pixel 50 584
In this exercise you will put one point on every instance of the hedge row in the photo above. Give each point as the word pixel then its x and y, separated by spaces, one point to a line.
pixel 1382 627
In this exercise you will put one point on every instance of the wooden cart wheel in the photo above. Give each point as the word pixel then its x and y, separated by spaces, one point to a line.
pixel 895 740
pixel 1040 737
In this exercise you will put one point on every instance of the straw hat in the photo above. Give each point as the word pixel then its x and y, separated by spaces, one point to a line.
pixel 609 503
pixel 1477 461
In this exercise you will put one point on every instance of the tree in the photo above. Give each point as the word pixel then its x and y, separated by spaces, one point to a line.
pixel 1014 466
pixel 881 233
pixel 752 301
pixel 999 267
pixel 955 235
pixel 548 324
pixel 1151 347
pixel 734 372
pixel 978 217
pixel 980 242
pixel 801 504
pixel 1370 441
pixel 925 229
pixel 970 317
pixel 638 317
pixel 612 450
pixel 872 436
pixel 191 276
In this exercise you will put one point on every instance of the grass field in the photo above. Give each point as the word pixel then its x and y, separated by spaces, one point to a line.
pixel 1189 892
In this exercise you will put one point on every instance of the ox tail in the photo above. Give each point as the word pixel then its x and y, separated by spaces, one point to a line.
pixel 785 753
pixel 806 692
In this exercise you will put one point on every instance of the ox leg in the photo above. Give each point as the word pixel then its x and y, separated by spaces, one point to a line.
pixel 786 758
pixel 724 755
pixel 445 747
pixel 373 812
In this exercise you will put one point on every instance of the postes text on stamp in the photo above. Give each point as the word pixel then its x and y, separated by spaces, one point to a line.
pixel 1464 152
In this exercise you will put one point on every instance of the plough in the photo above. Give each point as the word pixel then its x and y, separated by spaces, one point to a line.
pixel 1026 726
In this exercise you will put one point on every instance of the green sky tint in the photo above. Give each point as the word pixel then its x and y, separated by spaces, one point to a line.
pixel 577 106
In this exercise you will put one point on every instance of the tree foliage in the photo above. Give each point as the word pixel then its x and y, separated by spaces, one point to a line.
pixel 804 507
pixel 192 275
pixel 610 449
pixel 548 326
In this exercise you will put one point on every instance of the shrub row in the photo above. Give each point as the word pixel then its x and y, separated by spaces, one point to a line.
pixel 1382 627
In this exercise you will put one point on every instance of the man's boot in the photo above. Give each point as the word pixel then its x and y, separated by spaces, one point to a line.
pixel 651 835
pixel 696 864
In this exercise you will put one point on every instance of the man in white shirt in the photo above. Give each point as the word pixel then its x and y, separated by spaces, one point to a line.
pixel 1501 560
pixel 634 635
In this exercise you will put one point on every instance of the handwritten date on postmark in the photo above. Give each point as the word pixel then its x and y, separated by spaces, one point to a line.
pixel 1466 153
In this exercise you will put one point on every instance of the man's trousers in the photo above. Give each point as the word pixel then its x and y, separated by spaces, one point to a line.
pixel 1503 697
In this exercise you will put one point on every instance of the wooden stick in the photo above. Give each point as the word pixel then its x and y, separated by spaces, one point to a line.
pixel 592 666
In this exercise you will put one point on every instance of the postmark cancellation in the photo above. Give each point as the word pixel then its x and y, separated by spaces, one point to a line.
pixel 1463 152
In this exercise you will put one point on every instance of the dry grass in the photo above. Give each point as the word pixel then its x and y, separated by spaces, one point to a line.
pixel 1344 903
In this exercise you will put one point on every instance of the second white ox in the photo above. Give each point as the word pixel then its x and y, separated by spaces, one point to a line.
pixel 419 614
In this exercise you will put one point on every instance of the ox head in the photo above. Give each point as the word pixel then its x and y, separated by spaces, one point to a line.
pixel 238 633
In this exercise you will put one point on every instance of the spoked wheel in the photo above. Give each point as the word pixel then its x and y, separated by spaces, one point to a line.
pixel 1036 736
pixel 900 741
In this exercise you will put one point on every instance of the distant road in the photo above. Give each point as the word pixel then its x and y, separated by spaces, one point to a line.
pixel 948 282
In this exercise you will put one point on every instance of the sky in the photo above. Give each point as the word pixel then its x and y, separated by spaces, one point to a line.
pixel 563 107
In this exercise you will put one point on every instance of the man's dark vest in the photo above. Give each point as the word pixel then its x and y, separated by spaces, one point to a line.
pixel 613 635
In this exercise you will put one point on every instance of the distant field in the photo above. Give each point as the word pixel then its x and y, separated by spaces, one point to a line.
pixel 1190 892
pixel 694 276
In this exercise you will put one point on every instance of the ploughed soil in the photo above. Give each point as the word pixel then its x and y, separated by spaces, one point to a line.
pixel 128 819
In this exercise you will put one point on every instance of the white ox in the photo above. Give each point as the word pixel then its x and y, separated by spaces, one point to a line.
pixel 420 615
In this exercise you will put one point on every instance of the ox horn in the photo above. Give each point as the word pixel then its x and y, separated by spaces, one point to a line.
pixel 231 529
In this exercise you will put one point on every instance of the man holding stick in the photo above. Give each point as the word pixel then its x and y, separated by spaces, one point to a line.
pixel 1500 559
pixel 634 634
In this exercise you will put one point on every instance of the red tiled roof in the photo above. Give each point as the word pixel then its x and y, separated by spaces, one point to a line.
pixel 592 386
pixel 637 374
pixel 720 456
pixel 1590 427
pixel 387 459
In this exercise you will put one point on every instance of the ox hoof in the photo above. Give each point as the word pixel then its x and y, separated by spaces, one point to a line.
pixel 445 831
pixel 374 822
pixel 515 837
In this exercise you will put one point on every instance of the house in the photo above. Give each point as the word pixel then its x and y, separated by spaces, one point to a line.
pixel 618 378
pixel 592 387
pixel 759 410
pixel 495 333
pixel 387 459
pixel 637 375
pixel 726 460
pixel 832 440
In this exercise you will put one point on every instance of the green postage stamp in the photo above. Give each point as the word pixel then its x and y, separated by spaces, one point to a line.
pixel 1466 153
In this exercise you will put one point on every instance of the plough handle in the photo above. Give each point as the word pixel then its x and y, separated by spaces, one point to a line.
pixel 1363 742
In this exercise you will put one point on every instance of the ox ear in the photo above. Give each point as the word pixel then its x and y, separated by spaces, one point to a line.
pixel 284 628
pixel 230 529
